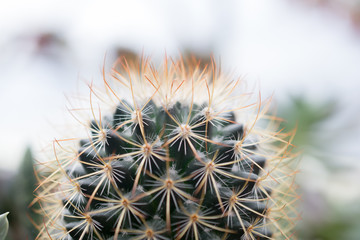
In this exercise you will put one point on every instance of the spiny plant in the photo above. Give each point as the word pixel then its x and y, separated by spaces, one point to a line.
pixel 179 151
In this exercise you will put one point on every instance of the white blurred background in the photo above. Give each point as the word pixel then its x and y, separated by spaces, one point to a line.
pixel 307 50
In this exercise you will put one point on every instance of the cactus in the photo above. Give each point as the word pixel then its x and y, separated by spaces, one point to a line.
pixel 178 152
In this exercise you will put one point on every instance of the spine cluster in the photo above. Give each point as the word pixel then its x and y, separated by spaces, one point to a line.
pixel 182 153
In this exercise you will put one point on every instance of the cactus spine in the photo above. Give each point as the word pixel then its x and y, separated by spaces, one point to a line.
pixel 175 152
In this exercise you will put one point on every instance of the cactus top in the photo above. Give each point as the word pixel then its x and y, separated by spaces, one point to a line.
pixel 181 151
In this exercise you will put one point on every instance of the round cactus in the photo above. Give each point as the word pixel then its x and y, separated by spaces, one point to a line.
pixel 176 152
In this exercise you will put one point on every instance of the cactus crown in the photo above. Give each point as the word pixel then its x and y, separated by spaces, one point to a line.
pixel 178 152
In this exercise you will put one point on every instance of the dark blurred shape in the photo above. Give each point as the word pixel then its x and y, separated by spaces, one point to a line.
pixel 48 44
pixel 128 54
pixel 198 58
pixel 122 54
pixel 45 41
pixel 349 9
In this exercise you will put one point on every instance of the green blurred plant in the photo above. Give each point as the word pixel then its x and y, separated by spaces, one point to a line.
pixel 23 194
pixel 4 225
pixel 339 220
pixel 309 118
pixel 17 195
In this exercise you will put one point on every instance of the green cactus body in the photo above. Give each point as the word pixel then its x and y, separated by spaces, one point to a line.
pixel 181 154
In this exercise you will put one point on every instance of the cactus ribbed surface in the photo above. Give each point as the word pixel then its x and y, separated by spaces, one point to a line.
pixel 175 152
